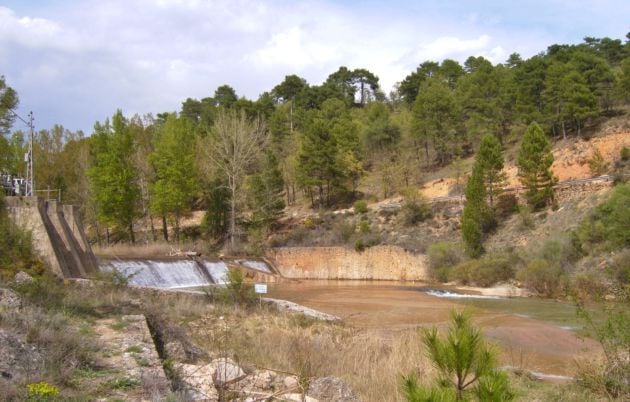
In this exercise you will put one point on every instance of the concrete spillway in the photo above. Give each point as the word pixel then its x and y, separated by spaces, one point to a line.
pixel 58 236
pixel 170 274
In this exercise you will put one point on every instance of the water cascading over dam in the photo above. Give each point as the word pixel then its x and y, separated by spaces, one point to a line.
pixel 174 274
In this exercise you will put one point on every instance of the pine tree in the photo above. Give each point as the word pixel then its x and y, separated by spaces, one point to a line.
pixel 490 159
pixel 534 166
pixel 475 213
pixel 465 363
pixel 266 193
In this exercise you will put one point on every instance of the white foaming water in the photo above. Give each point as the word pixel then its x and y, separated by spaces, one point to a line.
pixel 452 295
pixel 161 274
pixel 257 265
pixel 218 271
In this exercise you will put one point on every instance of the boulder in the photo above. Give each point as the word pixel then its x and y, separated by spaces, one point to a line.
pixel 290 382
pixel 198 381
pixel 9 300
pixel 331 389
pixel 17 358
pixel 22 278
pixel 226 371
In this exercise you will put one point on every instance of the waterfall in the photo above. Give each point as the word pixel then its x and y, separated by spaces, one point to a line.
pixel 169 274
pixel 217 270
pixel 257 265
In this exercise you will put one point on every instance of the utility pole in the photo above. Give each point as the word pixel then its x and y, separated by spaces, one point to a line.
pixel 28 157
pixel 30 186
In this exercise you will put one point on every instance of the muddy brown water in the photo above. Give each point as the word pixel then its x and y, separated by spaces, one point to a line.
pixel 384 309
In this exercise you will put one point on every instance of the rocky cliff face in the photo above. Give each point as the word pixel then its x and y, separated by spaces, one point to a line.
pixel 379 262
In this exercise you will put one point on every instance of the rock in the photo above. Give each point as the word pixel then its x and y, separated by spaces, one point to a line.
pixel 9 300
pixel 226 371
pixel 22 278
pixel 331 389
pixel 198 381
pixel 17 358
pixel 175 351
pixel 263 380
pixel 290 382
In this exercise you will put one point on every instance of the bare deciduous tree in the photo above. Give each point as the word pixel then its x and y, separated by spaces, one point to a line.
pixel 234 143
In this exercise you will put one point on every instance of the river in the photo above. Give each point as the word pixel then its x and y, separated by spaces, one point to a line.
pixel 535 334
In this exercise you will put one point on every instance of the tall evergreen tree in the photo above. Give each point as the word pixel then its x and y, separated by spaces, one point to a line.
pixel 435 119
pixel 475 213
pixel 490 159
pixel 113 174
pixel 266 192
pixel 534 166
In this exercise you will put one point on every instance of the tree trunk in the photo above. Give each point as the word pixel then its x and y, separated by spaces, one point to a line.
pixel 177 227
pixel 232 218
pixel 164 228
pixel 564 131
pixel 153 238
pixel 133 237
pixel 107 235
pixel 579 127
pixel 98 234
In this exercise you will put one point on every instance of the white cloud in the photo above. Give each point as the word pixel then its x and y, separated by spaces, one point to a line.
pixel 291 49
pixel 451 47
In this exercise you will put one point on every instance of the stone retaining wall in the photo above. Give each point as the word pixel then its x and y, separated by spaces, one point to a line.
pixel 379 263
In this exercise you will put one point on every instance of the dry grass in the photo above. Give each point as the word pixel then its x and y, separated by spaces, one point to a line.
pixel 370 365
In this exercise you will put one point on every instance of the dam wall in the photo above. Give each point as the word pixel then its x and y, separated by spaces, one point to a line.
pixel 58 236
pixel 377 263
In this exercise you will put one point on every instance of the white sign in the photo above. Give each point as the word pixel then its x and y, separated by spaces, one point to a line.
pixel 260 288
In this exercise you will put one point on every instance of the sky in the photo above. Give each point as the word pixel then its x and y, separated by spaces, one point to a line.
pixel 76 62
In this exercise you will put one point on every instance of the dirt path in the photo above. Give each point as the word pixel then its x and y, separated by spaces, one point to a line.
pixel 384 309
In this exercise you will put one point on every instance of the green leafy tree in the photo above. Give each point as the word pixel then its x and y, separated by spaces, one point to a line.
pixel 465 363
pixel 173 159
pixel 490 159
pixel 534 166
pixel 113 174
pixel 8 100
pixel 475 215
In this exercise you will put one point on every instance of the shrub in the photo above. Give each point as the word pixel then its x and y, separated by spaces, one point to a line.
pixel 562 251
pixel 608 224
pixel 42 391
pixel 344 230
pixel 543 277
pixel 415 210
pixel 611 378
pixel 625 153
pixel 483 272
pixel 597 164
pixel 588 286
pixel 359 246
pixel 442 257
pixel 364 227
pixel 506 205
pixel 525 213
pixel 619 267
pixel 242 293
pixel 360 207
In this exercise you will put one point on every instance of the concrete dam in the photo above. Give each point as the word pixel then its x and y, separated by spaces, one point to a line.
pixel 58 236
